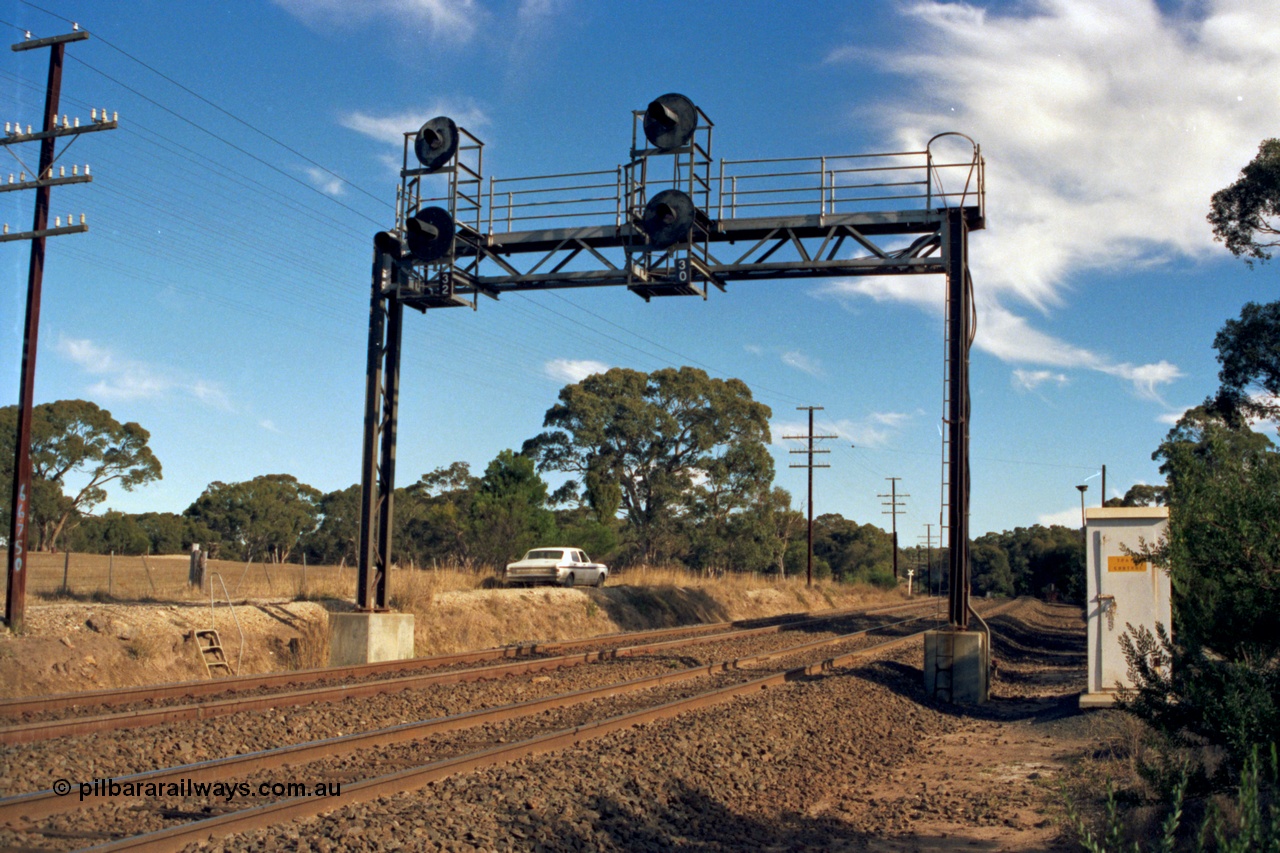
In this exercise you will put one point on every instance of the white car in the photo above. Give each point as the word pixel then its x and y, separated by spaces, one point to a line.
pixel 562 566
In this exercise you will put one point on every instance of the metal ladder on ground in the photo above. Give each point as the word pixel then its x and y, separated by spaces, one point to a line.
pixel 210 643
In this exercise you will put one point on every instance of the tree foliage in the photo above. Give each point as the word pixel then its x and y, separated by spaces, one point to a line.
pixel 1249 352
pixel 659 447
pixel 1043 561
pixel 77 450
pixel 509 514
pixel 1217 681
pixel 263 517
pixel 852 552
pixel 1141 494
pixel 991 572
pixel 1243 215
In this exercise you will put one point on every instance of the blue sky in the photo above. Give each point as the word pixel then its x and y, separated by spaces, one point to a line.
pixel 220 297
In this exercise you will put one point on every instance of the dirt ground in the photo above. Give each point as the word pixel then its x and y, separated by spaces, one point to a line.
pixel 990 783
pixel 993 783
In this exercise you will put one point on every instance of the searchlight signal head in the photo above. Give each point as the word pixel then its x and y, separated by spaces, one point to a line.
pixel 669 121
pixel 667 218
pixel 436 143
pixel 429 234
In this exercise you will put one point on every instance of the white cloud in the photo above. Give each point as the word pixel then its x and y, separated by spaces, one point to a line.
pixel 1065 518
pixel 269 425
pixel 1006 335
pixel 1106 124
pixel 572 370
pixel 874 430
pixel 1030 380
pixel 326 182
pixel 455 20
pixel 126 379
pixel 391 127
pixel 754 349
pixel 802 362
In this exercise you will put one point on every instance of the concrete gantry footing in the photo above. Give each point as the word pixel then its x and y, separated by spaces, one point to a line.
pixel 957 666
pixel 356 638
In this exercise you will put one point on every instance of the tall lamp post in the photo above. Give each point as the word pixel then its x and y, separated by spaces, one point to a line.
pixel 1084 535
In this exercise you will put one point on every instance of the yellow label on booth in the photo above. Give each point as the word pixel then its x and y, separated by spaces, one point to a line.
pixel 1125 563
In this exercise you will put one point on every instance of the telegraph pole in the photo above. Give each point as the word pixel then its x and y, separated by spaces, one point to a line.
pixel 42 181
pixel 893 512
pixel 810 438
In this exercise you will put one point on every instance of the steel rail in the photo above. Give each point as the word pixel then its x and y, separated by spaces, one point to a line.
pixel 29 807
pixel 68 727
pixel 128 695
pixel 175 838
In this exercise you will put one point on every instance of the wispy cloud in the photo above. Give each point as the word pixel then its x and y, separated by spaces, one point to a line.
pixel 391 127
pixel 877 429
pixel 1030 380
pixel 803 363
pixel 269 425
pixel 1008 336
pixel 325 182
pixel 572 370
pixel 454 20
pixel 125 379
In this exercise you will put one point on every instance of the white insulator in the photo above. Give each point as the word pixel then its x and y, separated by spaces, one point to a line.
pixel 65 123
pixel 6 228
pixel 77 121
pixel 28 130
pixel 57 222
pixel 115 116
pixel 86 168
pixel 62 171
pixel 22 176
pixel 93 114
pixel 82 219
pixel 6 127
pixel 75 170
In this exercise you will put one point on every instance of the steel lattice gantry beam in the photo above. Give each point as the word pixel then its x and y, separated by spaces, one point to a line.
pixel 694 228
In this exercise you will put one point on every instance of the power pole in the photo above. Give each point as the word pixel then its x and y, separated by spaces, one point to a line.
pixel 893 512
pixel 42 180
pixel 810 438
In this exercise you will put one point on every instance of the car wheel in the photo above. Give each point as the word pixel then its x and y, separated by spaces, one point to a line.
pixel 570 580
pixel 600 580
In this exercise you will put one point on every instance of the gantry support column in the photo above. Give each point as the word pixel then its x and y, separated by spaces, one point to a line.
pixel 955 247
pixel 372 633
pixel 377 481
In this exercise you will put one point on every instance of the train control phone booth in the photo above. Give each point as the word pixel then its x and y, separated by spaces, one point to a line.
pixel 1121 591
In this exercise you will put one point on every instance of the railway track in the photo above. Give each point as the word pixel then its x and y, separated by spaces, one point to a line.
pixel 414 754
pixel 66 715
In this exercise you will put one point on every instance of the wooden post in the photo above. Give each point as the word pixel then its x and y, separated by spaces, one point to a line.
pixel 66 566
pixel 111 573
pixel 150 579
